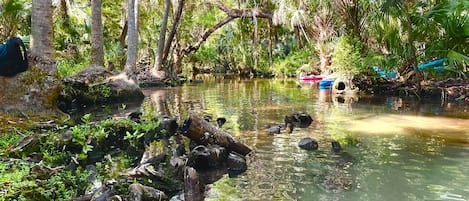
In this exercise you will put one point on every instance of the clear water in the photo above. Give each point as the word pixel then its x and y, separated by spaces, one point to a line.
pixel 393 149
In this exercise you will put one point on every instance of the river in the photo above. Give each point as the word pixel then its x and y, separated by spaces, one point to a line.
pixel 392 148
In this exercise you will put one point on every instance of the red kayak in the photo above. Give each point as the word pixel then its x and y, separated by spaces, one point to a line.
pixel 312 77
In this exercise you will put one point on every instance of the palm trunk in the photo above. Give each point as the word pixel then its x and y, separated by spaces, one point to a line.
pixel 270 46
pixel 410 40
pixel 161 41
pixel 130 65
pixel 42 32
pixel 97 52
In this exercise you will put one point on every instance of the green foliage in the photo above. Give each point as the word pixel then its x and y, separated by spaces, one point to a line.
pixel 100 91
pixel 14 18
pixel 64 185
pixel 67 67
pixel 114 54
pixel 347 58
pixel 12 180
pixel 8 138
pixel 18 183
pixel 456 62
pixel 287 67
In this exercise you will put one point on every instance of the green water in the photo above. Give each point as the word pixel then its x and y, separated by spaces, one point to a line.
pixel 393 149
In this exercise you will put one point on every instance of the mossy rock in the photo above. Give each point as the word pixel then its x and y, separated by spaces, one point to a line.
pixel 98 85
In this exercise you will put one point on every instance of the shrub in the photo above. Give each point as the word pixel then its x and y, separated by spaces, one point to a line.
pixel 347 58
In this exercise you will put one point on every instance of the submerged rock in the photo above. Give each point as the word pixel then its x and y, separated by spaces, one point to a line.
pixel 274 130
pixel 221 121
pixel 336 146
pixel 308 144
pixel 300 120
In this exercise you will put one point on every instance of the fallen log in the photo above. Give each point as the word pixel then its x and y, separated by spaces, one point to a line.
pixel 204 133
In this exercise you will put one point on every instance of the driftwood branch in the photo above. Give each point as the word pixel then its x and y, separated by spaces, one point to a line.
pixel 204 133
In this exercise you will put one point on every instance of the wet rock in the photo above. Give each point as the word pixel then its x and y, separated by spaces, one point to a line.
pixel 207 157
pixel 199 157
pixel 289 128
pixel 207 118
pixel 93 180
pixel 221 121
pixel 236 162
pixel 179 150
pixel 336 180
pixel 300 120
pixel 139 192
pixel 273 130
pixel 98 85
pixel 169 124
pixel 192 144
pixel 218 156
pixel 308 144
pixel 336 146
pixel 102 195
pixel 135 116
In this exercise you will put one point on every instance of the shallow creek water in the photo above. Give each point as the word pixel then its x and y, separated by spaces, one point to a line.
pixel 393 148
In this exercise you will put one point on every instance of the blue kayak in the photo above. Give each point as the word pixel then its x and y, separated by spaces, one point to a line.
pixel 438 62
pixel 326 82
pixel 324 87
pixel 385 74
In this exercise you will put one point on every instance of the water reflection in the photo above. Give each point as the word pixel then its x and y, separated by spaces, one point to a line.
pixel 394 148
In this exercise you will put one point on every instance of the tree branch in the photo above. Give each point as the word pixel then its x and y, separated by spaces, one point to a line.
pixel 207 33
pixel 232 14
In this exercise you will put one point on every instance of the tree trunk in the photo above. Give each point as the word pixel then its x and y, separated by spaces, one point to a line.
pixel 42 32
pixel 97 43
pixel 64 14
pixel 204 133
pixel 123 35
pixel 410 40
pixel 34 93
pixel 158 66
pixel 130 64
pixel 173 31
pixel 271 61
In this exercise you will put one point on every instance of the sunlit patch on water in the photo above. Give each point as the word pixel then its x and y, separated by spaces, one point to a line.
pixel 451 130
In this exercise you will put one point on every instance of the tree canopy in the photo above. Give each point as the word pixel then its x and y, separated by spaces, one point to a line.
pixel 267 37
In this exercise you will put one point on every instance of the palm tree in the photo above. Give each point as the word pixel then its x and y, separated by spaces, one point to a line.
pixel 132 37
pixel 402 10
pixel 323 32
pixel 97 43
pixel 42 33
